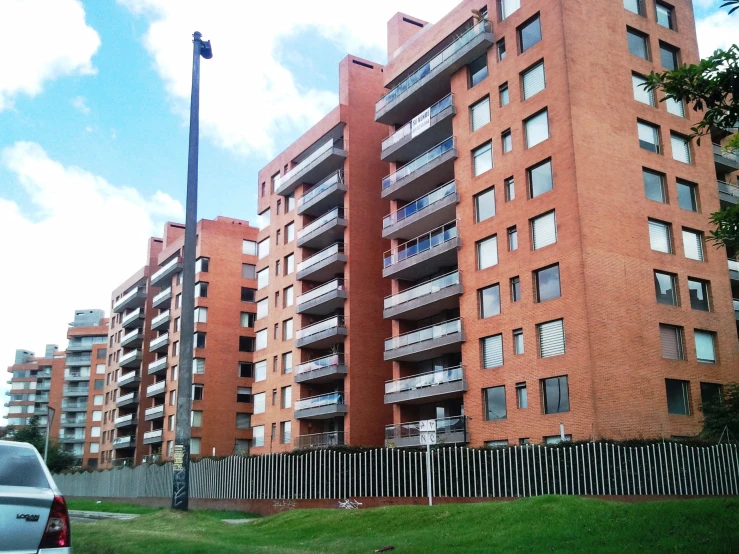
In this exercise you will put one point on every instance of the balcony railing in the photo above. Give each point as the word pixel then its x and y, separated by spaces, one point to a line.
pixel 327 183
pixel 123 462
pixel 728 154
pixel 308 162
pixel 129 357
pixel 157 365
pixel 161 296
pixel 405 130
pixel 76 391
pixel 156 388
pixel 128 337
pixel 159 342
pixel 67 405
pixel 417 205
pixel 123 419
pixel 320 440
pixel 166 268
pixel 431 332
pixel 425 158
pixel 122 441
pixel 331 399
pixel 417 76
pixel 325 219
pixel 320 363
pixel 425 242
pixel 153 436
pixel 444 426
pixel 326 288
pixel 154 412
pixel 733 265
pixel 160 318
pixel 423 289
pixel 126 297
pixel 728 188
pixel 320 326
pixel 334 249
pixel 68 422
pixel 136 314
pixel 78 359
pixel 423 380
pixel 128 378
pixel 80 374
pixel 126 397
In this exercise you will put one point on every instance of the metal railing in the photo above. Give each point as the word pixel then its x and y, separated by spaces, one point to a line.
pixel 718 149
pixel 129 356
pixel 166 267
pixel 444 426
pixel 120 441
pixel 330 399
pixel 156 387
pixel 123 462
pixel 326 288
pixel 123 419
pixel 126 377
pixel 78 359
pixel 130 335
pixel 153 434
pixel 157 364
pixel 151 459
pixel 320 326
pixel 422 243
pixel 423 289
pixel 423 380
pixel 154 410
pixel 334 249
pixel 325 219
pixel 405 130
pixel 733 265
pixel 130 317
pixel 311 159
pixel 431 332
pixel 337 177
pixel 731 189
pixel 320 440
pixel 425 158
pixel 420 203
pixel 161 317
pixel 126 297
pixel 76 390
pixel 72 421
pixel 129 396
pixel 162 294
pixel 417 76
pixel 320 363
pixel 159 341
pixel 73 405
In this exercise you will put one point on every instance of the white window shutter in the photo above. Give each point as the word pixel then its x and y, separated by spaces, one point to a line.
pixel 544 230
pixel 492 351
pixel 644 96
pixel 675 107
pixel 551 338
pixel 659 237
pixel 481 114
pixel 680 149
pixel 693 245
pixel 534 81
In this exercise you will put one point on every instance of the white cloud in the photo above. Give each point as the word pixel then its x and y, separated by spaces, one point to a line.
pixel 718 30
pixel 80 104
pixel 247 95
pixel 83 237
pixel 44 39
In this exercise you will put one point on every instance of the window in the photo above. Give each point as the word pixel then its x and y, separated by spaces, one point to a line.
pixel 492 351
pixel 289 264
pixel 289 296
pixel 654 185
pixel 693 244
pixel 482 158
pixel 487 252
pixel 687 196
pixel 263 249
pixel 665 285
pixel 536 128
pixel 533 80
pixel 196 418
pixel 260 371
pixel 95 432
pixel 274 397
pixel 512 239
pixel 97 400
pixel 262 308
pixel 544 230
pixel 546 283
pixel 246 369
pixel 660 236
pixel 515 289
pixel 262 278
pixel 671 338
pixel 177 322
pixel 477 70
pixel 678 397
pixel 638 43
pixel 480 113
pixel 640 93
pixel 485 205
pixel 248 271
pixel 510 189
pixel 247 294
pixel 243 395
pixel 199 340
pixel 289 232
pixel 249 247
pixel 507 7
pixel 202 265
pixel 698 290
pixel 500 49
pixel 522 396
pixel 175 349
pixel 287 329
pixel 680 148
pixel 261 339
pixel 178 301
pixel 259 403
pixel 665 15
pixel 197 392
pixel 529 34
pixel 173 398
pixel 258 436
pixel 287 397
pixel 277 268
pixel 648 137
pixel 489 301
pixel 247 319
pixel 557 439
pixel 494 403
pixel 555 395
pixel 540 178
pixel 290 203
pixel 551 338
pixel 506 140
pixel 518 341
pixel 243 421
pixel 705 346
pixel 711 393
pixel 675 107
pixel 198 366
pixel 200 315
pixel 277 237
pixel 285 432
pixel 668 55
pixel 94 447
pixel 503 93
pixel 100 368
pixel 201 290
pixel 634 6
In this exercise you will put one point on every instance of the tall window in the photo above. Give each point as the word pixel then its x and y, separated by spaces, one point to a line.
pixel 289 264
pixel 480 113
pixel 635 6
pixel 518 343
pixel 551 338
pixel 665 285
pixel 678 397
pixel 665 15
pixel 671 338
pixel 489 301
pixel 506 141
pixel 485 205
pixel 247 319
pixel 248 271
pixel 638 43
pixel 705 347
pixel 286 397
pixel 289 296
pixel 680 148
pixel 668 55
pixel 544 230
pixel 249 247
pixel 482 158
pixel 660 236
pixel 640 93
pixel 536 128
pixel 492 351
pixel 500 49
pixel 201 289
pixel 546 283
pixel 258 436
pixel 261 339
pixel 698 290
pixel 487 252
pixel 512 239
pixel 262 278
pixel 289 232
pixel 503 93
pixel 540 178
pixel 259 402
pixel 495 407
pixel 287 329
pixel 287 362
pixel 687 196
pixel 262 308
pixel 285 432
pixel 515 289
pixel 477 70
pixel 510 189
pixel 654 185
pixel 533 80
pixel 260 371
pixel 263 249
pixel 507 7
pixel 648 136
pixel 555 394
pixel 201 265
pixel 693 244
pixel 529 34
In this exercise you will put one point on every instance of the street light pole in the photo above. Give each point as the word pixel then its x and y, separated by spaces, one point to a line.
pixel 181 454
pixel 49 419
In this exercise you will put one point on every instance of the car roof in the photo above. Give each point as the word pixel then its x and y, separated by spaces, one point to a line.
pixel 17 444
pixel 29 446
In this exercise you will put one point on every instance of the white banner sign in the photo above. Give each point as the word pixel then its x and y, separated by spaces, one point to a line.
pixel 421 122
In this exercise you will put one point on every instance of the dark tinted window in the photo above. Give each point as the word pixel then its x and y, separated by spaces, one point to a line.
pixel 529 34
pixel 21 467
pixel 478 70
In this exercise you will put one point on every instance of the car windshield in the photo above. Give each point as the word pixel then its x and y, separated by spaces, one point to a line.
pixel 20 467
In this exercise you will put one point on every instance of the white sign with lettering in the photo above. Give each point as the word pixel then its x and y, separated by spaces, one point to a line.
pixel 421 122
pixel 427 429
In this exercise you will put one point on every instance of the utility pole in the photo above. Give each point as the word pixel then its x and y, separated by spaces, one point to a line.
pixel 49 419
pixel 181 454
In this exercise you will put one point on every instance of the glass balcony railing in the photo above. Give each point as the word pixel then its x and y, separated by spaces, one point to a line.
pixel 444 426
pixel 123 441
pixel 165 268
pixel 153 435
pixel 425 158
pixel 423 289
pixel 130 317
pixel 331 399
pixel 67 405
pixel 130 356
pixel 417 76
pixel 79 374
pixel 160 318
pixel 161 295
pixel 158 342
pixel 320 363
pixel 126 297
pixel 420 204
pixel 73 421
pixel 76 391
pixel 330 323
pixel 327 183
pixel 156 388
pixel 78 359
pixel 318 257
pixel 405 130
pixel 733 265
pixel 125 338
pixel 320 440
pixel 423 380
pixel 124 419
pixel 725 153
pixel 728 188
pixel 429 333
pixel 325 219
pixel 425 242
pixel 308 162
pixel 326 288
pixel 127 397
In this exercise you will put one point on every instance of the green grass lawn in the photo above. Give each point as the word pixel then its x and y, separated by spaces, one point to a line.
pixel 122 508
pixel 543 524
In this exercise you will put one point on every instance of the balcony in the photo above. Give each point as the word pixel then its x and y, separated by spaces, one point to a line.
pixel 78 360
pixel 129 399
pixel 728 192
pixel 71 439
pixel 432 79
pixel 427 212
pixel 161 321
pixel 733 269
pixel 327 194
pixel 736 309
pixel 322 334
pixel 43 385
pixel 73 422
pixel 124 442
pixel 153 437
pixel 130 379
pixel 123 462
pixel 423 255
pixel 425 387
pixel 129 420
pixel 320 440
pixel 131 359
pixel 422 174
pixel 426 343
pixel 425 299
pixel 134 319
pixel 324 264
pixel 158 366
pixel 159 344
pixel 434 124
pixel 156 412
pixel 157 389
pixel 164 275
pixel 725 162
pixel 325 406
pixel 76 391
pixel 322 370
pixel 323 300
pixel 449 430
pixel 160 299
pixel 133 339
pixel 324 230
pixel 135 298
pixel 75 375
pixel 152 459
pixel 328 157
pixel 71 406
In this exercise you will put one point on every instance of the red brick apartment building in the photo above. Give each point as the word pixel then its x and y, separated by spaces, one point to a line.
pixel 143 347
pixel 517 226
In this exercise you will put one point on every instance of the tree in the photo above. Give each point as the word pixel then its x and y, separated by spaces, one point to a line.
pixel 722 413
pixel 57 458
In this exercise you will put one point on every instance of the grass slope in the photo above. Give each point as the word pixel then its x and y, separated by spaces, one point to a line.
pixel 543 524
pixel 122 508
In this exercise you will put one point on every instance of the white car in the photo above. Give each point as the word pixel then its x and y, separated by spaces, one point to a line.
pixel 33 513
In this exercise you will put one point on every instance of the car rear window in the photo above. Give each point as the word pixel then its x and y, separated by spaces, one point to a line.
pixel 20 467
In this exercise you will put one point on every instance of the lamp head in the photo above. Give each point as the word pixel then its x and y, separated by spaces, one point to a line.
pixel 205 50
